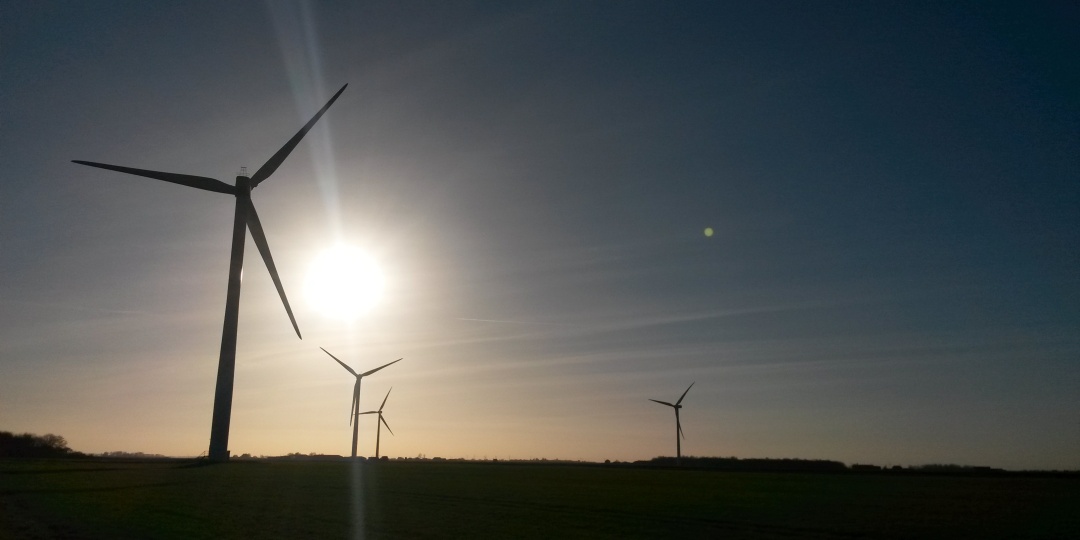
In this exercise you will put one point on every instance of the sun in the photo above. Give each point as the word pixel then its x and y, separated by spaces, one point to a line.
pixel 343 282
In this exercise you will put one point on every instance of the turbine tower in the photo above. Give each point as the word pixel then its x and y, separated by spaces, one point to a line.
pixel 380 423
pixel 355 409
pixel 244 219
pixel 678 425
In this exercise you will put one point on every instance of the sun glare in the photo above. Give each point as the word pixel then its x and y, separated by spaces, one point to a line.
pixel 343 282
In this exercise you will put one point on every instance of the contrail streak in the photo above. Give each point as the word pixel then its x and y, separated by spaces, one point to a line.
pixel 505 322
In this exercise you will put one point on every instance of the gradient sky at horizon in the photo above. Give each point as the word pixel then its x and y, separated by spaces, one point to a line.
pixel 894 191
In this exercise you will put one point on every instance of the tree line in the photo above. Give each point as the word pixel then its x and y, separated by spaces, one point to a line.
pixel 29 445
pixel 750 464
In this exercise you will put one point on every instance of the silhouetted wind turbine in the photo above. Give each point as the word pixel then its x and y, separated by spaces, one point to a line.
pixel 355 409
pixel 378 426
pixel 245 219
pixel 678 425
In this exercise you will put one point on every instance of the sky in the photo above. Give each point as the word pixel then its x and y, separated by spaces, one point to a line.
pixel 892 190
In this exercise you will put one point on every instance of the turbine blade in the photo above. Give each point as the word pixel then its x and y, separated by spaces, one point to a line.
pixel 260 240
pixel 385 398
pixel 383 420
pixel 198 182
pixel 679 425
pixel 661 402
pixel 684 393
pixel 343 364
pixel 366 373
pixel 355 401
pixel 369 412
pixel 274 162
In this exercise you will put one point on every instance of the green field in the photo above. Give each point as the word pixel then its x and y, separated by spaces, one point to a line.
pixel 406 499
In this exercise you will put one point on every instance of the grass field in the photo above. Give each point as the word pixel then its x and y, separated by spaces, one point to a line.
pixel 404 499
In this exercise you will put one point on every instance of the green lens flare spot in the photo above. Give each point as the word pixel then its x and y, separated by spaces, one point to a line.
pixel 708 231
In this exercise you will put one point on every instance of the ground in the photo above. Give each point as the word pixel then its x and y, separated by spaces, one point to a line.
pixel 412 499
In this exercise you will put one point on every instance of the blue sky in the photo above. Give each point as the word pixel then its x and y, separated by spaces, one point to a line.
pixel 893 276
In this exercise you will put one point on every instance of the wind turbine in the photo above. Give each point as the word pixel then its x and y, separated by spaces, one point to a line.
pixel 678 425
pixel 355 409
pixel 244 219
pixel 380 423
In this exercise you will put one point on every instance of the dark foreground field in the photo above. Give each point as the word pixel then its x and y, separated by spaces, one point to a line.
pixel 115 499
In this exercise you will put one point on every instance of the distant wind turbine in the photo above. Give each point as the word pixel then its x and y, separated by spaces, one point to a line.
pixel 355 409
pixel 678 425
pixel 244 219
pixel 380 423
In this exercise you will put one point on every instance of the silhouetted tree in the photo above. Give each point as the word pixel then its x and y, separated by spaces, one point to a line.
pixel 30 445
pixel 55 442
